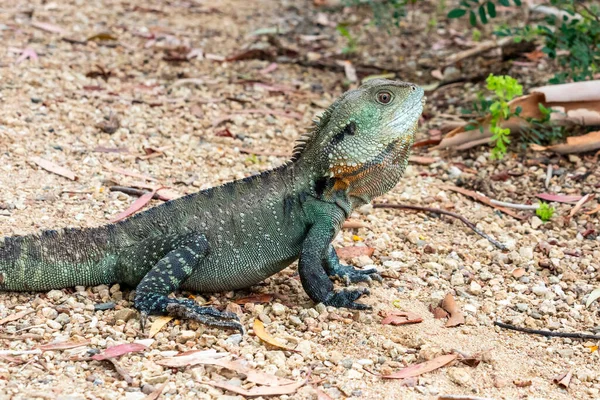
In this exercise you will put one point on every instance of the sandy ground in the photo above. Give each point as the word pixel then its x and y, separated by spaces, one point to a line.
pixel 50 109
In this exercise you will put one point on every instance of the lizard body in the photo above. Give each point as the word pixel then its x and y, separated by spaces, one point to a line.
pixel 236 235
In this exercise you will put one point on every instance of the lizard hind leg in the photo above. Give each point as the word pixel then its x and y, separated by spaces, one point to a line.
pixel 166 276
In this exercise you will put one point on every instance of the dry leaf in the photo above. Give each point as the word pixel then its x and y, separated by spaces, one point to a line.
pixel 401 318
pixel 576 103
pixel 119 350
pixel 575 144
pixel 595 295
pixel 156 393
pixel 422 160
pixel 48 27
pixel 594 211
pixel 63 345
pixel 158 324
pixel 135 206
pixel 261 390
pixel 559 198
pixel 481 198
pixel 127 173
pixel 354 251
pixel 422 368
pixel 211 357
pixel 564 379
pixel 102 37
pixel 57 169
pixel 259 298
pixel 17 316
pixel 518 272
pixel 321 395
pixel 259 330
pixel 580 204
pixel 522 383
pixel 439 313
pixel 456 315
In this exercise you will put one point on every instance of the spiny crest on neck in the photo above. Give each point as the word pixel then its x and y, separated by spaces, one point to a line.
pixel 306 138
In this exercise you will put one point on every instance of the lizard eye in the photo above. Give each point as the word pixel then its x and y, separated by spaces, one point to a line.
pixel 384 97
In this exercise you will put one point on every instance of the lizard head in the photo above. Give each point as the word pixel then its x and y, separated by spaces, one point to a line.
pixel 363 140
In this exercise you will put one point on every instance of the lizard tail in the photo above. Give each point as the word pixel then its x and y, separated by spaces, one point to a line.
pixel 56 259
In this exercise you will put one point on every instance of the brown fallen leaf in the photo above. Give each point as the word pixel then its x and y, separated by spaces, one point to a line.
pixel 258 298
pixel 518 272
pixel 483 199
pixel 580 204
pixel 63 345
pixel 456 315
pixel 158 324
pixel 564 379
pixel 594 211
pixel 203 357
pixel 261 390
pixel 559 198
pixel 321 395
pixel 119 350
pixel 15 317
pixel 45 26
pixel 260 331
pixel 439 313
pixel 400 318
pixel 56 169
pixel 348 252
pixel 135 206
pixel 575 144
pixel 102 37
pixel 157 392
pixel 576 103
pixel 422 368
pixel 522 383
pixel 422 160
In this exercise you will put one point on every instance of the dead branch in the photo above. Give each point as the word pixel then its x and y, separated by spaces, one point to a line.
pixel 480 48
pixel 443 212
pixel 574 335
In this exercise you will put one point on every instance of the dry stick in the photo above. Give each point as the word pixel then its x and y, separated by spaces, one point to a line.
pixel 575 335
pixel 133 191
pixel 443 212
pixel 460 397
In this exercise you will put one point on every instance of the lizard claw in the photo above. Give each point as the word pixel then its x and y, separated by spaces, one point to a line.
pixel 352 275
pixel 143 319
pixel 346 298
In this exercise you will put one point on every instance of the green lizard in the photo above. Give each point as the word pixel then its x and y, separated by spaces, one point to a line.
pixel 238 234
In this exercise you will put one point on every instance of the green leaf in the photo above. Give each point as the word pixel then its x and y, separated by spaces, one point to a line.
pixel 457 13
pixel 517 3
pixel 505 3
pixel 482 15
pixel 491 9
pixel 472 18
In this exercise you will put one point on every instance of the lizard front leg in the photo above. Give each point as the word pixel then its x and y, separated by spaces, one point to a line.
pixel 167 275
pixel 347 273
pixel 314 279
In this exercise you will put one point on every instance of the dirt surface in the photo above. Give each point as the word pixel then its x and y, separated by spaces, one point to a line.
pixel 186 116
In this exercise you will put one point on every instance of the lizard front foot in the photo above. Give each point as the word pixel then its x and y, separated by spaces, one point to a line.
pixel 349 274
pixel 153 303
pixel 346 298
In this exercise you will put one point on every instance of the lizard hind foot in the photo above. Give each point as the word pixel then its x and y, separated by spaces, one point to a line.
pixel 349 274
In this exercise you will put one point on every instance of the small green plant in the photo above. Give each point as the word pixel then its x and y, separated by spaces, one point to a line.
pixel 351 43
pixel 477 8
pixel 505 88
pixel 573 38
pixel 545 211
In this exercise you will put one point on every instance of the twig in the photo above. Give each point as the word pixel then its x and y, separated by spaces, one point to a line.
pixel 575 335
pixel 443 212
pixel 514 205
pixel 136 192
pixel 481 48
pixel 460 397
